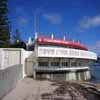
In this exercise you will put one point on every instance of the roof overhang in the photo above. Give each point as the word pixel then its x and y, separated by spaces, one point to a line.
pixel 50 41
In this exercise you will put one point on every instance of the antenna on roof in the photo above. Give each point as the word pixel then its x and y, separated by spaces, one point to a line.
pixel 78 41
pixel 35 26
pixel 36 35
pixel 73 40
pixel 52 35
pixel 64 38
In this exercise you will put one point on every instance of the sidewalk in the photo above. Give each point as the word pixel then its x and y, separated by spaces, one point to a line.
pixel 29 89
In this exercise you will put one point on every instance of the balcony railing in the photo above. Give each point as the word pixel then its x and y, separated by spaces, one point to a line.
pixel 61 68
pixel 60 52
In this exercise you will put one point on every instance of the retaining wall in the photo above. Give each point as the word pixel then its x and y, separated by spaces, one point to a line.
pixel 9 78
pixel 12 68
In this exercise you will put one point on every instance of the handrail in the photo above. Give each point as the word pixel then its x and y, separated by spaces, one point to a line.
pixel 61 68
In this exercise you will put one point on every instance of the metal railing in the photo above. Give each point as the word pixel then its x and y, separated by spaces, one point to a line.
pixel 54 68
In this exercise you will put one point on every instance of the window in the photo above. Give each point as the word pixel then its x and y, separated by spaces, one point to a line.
pixel 73 64
pixel 83 63
pixel 42 63
pixel 55 64
pixel 64 63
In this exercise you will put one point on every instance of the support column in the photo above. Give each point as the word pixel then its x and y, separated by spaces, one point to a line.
pixel 67 76
pixel 88 74
pixel 35 66
pixel 60 60
pixel 79 76
pixel 34 74
pixel 69 62
pixel 77 61
pixel 72 75
pixel 49 61
pixel 85 76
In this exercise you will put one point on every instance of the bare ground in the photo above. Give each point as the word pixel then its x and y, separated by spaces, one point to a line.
pixel 29 89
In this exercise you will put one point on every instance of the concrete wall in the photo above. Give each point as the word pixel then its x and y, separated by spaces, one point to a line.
pixel 12 68
pixel 9 57
pixel 9 78
pixel 25 55
pixel 29 67
pixel 13 56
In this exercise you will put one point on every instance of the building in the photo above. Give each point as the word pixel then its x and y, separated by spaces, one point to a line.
pixel 56 59
pixel 51 59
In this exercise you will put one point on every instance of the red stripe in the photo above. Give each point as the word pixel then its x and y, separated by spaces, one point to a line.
pixel 42 40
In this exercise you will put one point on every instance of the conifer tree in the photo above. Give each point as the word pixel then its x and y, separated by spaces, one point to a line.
pixel 4 24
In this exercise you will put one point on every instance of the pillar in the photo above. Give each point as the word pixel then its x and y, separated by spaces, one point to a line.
pixel 34 74
pixel 49 61
pixel 72 75
pixel 88 74
pixel 67 76
pixel 79 76
pixel 60 60
pixel 34 69
pixel 69 62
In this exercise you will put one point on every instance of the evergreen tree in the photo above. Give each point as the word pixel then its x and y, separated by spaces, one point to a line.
pixel 4 24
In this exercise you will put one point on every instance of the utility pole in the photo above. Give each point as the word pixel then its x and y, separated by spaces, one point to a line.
pixel 35 25
pixel 35 65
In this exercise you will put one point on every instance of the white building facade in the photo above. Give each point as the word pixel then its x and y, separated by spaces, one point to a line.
pixel 61 60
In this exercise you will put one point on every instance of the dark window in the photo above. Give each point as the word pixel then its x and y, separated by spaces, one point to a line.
pixel 43 64
pixel 54 63
pixel 73 64
pixel 64 63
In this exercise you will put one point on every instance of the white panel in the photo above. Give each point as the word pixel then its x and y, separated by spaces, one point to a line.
pixel 11 57
pixel 65 52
